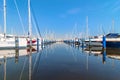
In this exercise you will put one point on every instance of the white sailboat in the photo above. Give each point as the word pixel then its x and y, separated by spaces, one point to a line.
pixel 31 40
pixel 10 41
pixel 112 40
pixel 95 41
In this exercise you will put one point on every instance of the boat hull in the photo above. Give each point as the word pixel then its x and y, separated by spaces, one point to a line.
pixel 113 44
pixel 94 44
pixel 11 43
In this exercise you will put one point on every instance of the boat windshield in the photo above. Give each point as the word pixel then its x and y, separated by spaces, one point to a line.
pixel 113 35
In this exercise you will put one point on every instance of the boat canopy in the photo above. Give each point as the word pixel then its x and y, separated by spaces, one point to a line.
pixel 113 35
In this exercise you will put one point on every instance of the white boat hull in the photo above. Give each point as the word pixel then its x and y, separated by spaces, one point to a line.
pixel 10 43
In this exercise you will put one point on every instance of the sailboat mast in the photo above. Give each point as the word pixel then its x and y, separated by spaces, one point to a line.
pixel 112 26
pixel 87 27
pixel 29 19
pixel 4 4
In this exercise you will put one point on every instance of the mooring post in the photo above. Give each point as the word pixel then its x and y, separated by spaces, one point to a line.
pixel 37 44
pixel 104 42
pixel 16 42
pixel 42 43
pixel 82 43
pixel 89 42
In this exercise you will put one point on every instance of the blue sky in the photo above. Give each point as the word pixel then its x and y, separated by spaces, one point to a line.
pixel 64 16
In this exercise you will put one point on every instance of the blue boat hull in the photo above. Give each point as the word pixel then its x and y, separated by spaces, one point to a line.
pixel 113 44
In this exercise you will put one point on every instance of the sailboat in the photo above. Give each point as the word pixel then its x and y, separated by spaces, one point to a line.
pixel 32 40
pixel 112 40
pixel 94 41
pixel 8 40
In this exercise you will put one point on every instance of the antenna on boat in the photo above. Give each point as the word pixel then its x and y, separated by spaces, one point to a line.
pixel 4 5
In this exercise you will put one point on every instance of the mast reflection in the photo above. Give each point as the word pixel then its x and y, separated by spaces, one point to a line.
pixel 5 67
pixel 30 63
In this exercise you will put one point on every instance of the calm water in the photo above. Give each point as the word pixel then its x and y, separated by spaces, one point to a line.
pixel 60 61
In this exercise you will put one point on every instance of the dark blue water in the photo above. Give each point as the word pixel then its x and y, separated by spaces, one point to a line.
pixel 60 61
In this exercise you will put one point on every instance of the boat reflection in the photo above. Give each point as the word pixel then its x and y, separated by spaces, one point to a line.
pixel 112 53
pixel 16 53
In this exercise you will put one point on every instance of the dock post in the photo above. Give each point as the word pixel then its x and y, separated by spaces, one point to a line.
pixel 16 42
pixel 37 44
pixel 104 42
pixel 82 43
pixel 42 43
pixel 89 42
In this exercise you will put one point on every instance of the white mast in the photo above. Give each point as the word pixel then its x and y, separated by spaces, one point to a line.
pixel 30 35
pixel 87 27
pixel 29 18
pixel 4 5
pixel 113 26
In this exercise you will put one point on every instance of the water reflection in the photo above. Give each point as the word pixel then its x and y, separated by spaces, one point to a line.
pixel 7 55
pixel 104 56
pixel 60 62
pixel 30 64
pixel 4 68
pixel 113 53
